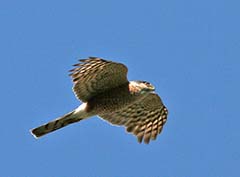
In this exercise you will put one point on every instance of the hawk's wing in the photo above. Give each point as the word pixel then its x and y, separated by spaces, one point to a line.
pixel 95 75
pixel 145 118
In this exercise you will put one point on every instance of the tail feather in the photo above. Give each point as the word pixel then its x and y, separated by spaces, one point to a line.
pixel 55 124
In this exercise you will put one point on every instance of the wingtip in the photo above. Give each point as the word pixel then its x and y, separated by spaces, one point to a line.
pixel 91 57
pixel 82 60
pixel 86 59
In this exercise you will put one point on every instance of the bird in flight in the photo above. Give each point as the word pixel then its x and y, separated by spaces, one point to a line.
pixel 105 91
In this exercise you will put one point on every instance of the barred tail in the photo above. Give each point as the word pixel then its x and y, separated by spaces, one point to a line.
pixel 69 118
pixel 54 125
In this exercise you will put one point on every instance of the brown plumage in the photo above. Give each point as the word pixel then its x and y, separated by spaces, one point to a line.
pixel 103 88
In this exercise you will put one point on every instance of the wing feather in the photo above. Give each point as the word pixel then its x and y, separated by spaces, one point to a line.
pixel 145 118
pixel 95 75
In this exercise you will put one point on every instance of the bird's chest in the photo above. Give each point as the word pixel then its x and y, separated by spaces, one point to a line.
pixel 111 101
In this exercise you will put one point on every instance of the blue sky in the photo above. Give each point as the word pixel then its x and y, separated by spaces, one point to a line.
pixel 188 49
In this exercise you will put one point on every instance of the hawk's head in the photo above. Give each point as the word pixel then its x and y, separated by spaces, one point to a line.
pixel 141 87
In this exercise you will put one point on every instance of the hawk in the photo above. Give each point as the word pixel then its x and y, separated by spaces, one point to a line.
pixel 105 91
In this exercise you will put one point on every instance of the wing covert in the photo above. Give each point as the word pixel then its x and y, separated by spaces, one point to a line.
pixel 95 75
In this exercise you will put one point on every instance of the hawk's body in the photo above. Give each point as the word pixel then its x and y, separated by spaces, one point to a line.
pixel 103 87
pixel 113 100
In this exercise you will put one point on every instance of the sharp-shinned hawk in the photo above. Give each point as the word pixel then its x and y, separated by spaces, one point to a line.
pixel 103 88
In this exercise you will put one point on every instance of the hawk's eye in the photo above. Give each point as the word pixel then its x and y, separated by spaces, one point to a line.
pixel 147 83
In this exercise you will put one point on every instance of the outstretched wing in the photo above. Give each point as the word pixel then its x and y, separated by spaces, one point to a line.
pixel 145 118
pixel 95 75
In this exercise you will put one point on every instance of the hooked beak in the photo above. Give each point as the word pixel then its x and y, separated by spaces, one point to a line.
pixel 150 89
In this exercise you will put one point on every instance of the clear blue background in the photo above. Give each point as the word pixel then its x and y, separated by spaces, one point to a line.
pixel 188 49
